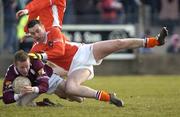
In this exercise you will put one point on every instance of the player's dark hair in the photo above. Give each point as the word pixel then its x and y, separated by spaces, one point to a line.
pixel 32 23
pixel 20 56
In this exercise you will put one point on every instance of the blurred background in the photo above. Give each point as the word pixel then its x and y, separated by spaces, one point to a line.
pixel 95 20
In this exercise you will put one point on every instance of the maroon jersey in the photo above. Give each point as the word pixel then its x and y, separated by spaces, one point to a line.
pixel 41 81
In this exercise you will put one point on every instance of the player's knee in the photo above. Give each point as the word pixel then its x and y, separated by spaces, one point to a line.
pixel 70 88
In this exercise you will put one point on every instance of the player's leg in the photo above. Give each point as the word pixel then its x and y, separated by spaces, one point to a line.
pixel 60 92
pixel 57 86
pixel 74 81
pixel 104 48
pixel 74 87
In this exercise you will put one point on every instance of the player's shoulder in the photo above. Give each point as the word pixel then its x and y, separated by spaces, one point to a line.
pixel 35 62
pixel 11 68
pixel 54 33
pixel 53 29
pixel 11 71
pixel 36 47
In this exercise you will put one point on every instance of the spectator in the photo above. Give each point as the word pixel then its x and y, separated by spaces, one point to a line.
pixel 109 11
pixel 85 11
pixel 174 46
pixel 10 42
pixel 25 40
pixel 154 9
pixel 131 11
pixel 69 17
pixel 169 13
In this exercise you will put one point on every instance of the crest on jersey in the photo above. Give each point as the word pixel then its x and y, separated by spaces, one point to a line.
pixel 50 43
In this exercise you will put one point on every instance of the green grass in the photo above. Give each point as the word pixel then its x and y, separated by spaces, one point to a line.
pixel 144 96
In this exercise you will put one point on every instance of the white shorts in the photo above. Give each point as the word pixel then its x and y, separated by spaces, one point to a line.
pixel 54 81
pixel 84 59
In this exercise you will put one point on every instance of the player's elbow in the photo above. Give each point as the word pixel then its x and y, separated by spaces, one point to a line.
pixel 43 89
pixel 7 100
pixel 43 84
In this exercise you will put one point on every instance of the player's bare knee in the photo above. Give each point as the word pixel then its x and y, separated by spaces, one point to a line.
pixel 70 88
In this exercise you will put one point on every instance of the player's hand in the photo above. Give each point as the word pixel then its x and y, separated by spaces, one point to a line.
pixel 35 56
pixel 21 12
pixel 27 35
pixel 26 90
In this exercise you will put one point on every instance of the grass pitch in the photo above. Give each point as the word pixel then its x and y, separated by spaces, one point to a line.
pixel 144 96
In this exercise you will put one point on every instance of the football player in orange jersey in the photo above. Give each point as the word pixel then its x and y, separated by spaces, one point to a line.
pixel 78 59
pixel 49 12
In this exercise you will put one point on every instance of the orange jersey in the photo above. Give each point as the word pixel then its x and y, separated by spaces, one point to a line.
pixel 50 12
pixel 58 49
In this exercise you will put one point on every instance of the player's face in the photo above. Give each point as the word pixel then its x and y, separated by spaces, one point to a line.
pixel 38 33
pixel 23 67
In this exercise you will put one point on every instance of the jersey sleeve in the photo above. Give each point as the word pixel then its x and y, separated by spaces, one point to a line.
pixel 8 92
pixel 59 2
pixel 37 64
pixel 37 5
pixel 42 79
pixel 42 83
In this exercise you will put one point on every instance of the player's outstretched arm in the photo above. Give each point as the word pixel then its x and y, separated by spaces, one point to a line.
pixel 21 13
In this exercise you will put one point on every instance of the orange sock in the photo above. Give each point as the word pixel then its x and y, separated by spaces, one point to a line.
pixel 151 42
pixel 103 96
